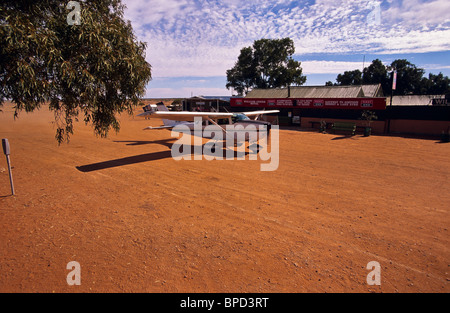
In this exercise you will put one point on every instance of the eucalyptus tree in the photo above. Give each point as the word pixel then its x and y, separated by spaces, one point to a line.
pixel 77 57
pixel 266 64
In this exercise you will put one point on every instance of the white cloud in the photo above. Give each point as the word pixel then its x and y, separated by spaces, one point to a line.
pixel 204 37
pixel 154 11
pixel 329 67
pixel 414 13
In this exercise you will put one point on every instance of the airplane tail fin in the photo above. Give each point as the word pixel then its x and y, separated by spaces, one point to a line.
pixel 161 107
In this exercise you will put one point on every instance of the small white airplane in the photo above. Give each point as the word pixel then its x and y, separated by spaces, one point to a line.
pixel 192 120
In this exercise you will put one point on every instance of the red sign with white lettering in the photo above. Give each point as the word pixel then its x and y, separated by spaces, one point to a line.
pixel 312 103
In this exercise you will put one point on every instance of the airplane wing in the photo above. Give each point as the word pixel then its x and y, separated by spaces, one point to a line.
pixel 186 116
pixel 253 113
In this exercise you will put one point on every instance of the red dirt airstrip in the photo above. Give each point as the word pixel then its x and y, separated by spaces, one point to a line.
pixel 138 221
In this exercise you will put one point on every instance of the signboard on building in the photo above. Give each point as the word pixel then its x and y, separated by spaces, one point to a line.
pixel 312 103
pixel 440 102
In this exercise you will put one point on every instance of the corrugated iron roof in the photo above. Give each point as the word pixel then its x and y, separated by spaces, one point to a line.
pixel 415 100
pixel 372 91
pixel 318 92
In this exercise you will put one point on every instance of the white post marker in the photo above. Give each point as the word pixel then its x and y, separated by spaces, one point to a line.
pixel 7 152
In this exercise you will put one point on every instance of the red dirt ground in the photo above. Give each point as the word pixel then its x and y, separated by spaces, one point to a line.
pixel 138 221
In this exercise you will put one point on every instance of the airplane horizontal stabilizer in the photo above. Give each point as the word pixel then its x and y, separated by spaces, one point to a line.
pixel 159 127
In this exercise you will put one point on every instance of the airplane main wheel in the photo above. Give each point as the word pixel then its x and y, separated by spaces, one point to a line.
pixel 255 148
pixel 211 147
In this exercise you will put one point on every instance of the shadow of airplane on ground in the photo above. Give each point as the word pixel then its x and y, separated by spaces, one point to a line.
pixel 125 161
pixel 343 137
pixel 153 156
pixel 164 142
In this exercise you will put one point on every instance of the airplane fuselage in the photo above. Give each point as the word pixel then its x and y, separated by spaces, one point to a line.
pixel 247 130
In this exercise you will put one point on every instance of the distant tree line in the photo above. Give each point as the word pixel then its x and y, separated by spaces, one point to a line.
pixel 268 63
pixel 410 79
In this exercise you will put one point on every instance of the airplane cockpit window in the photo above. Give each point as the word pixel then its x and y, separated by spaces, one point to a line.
pixel 240 117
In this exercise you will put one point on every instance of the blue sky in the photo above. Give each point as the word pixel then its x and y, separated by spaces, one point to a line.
pixel 191 43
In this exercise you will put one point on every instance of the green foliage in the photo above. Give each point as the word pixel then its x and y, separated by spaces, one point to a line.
pixel 435 84
pixel 368 116
pixel 410 78
pixel 350 78
pixel 377 73
pixel 97 68
pixel 267 64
